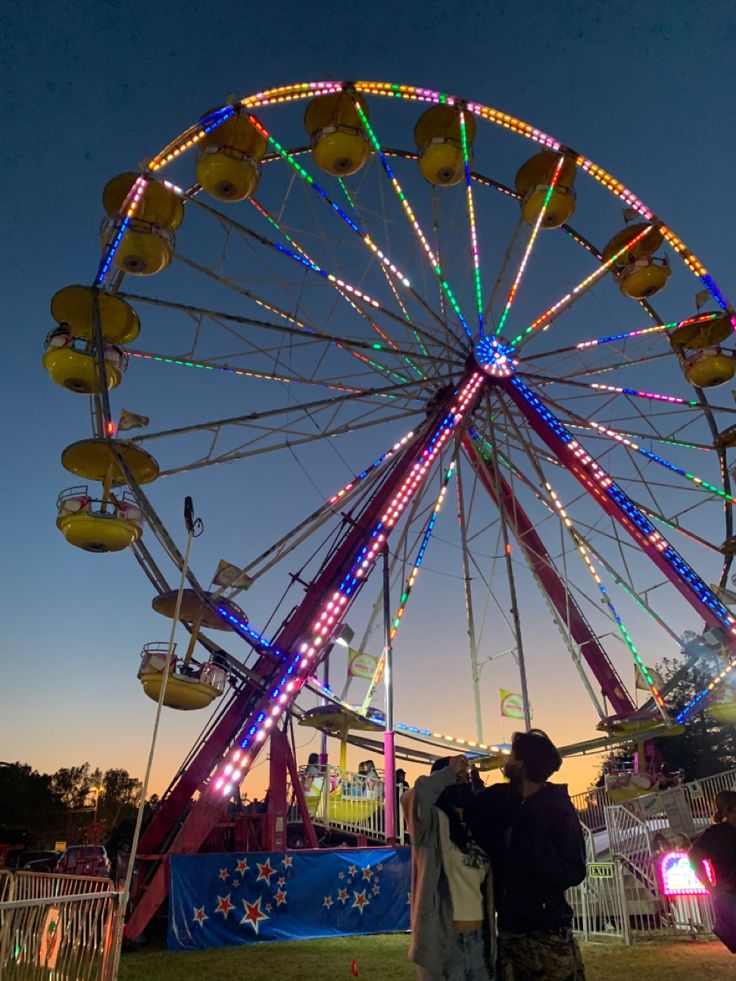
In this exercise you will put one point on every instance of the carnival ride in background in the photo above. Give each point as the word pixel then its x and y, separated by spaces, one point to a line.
pixel 416 291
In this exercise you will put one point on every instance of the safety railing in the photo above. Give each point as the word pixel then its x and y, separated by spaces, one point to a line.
pixel 599 903
pixel 59 936
pixel 591 807
pixel 45 885
pixel 701 794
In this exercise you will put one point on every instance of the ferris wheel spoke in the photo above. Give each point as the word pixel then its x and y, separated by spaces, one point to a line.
pixel 237 454
pixel 544 321
pixel 653 457
pixel 412 219
pixel 658 328
pixel 530 245
pixel 583 547
pixel 305 407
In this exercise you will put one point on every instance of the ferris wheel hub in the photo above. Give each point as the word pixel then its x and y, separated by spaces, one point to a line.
pixel 496 356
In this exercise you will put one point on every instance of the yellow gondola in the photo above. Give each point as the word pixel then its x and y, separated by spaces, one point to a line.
pixel 709 367
pixel 533 180
pixel 708 333
pixel 191 687
pixel 96 459
pixel 723 710
pixel 74 307
pixel 147 246
pixel 345 804
pixel 339 146
pixel 229 160
pixel 438 137
pixel 638 272
pixel 97 526
pixel 194 610
pixel 69 363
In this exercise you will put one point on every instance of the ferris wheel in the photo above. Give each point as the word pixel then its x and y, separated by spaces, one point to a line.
pixel 470 339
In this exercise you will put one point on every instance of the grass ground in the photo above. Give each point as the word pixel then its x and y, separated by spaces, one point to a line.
pixel 383 958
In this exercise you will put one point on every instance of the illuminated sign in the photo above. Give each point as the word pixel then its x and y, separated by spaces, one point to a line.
pixel 678 876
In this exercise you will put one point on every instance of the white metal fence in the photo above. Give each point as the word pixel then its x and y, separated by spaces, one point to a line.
pixel 57 926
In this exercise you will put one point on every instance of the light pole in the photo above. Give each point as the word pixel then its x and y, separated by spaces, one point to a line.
pixel 97 800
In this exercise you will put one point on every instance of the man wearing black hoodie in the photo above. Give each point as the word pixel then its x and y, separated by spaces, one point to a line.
pixel 530 830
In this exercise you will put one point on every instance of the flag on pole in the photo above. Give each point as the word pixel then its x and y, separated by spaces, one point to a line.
pixel 512 704
pixel 360 664
pixel 131 420
pixel 227 574
pixel 654 675
pixel 701 299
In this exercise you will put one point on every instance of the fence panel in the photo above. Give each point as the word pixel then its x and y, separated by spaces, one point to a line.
pixel 45 885
pixel 62 936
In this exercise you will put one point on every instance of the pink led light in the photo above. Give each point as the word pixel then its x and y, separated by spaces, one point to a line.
pixel 678 878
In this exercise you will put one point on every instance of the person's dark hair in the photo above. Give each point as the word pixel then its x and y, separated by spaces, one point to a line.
pixel 725 801
pixel 313 759
pixel 400 775
pixel 538 753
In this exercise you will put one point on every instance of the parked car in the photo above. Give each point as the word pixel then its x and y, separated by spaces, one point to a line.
pixel 22 859
pixel 42 862
pixel 84 860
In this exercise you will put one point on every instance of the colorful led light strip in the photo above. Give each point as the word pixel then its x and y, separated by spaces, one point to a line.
pixel 642 529
pixel 692 705
pixel 616 390
pixel 334 606
pixel 305 175
pixel 608 601
pixel 530 244
pixel 700 319
pixel 546 318
pixel 306 90
pixel 436 267
pixel 228 369
pixel 410 730
pixel 119 225
pixel 343 288
pixel 471 221
pixel 409 585
pixel 376 463
pixel 673 468
pixel 386 273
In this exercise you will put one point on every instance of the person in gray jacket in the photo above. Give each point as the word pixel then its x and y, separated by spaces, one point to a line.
pixel 452 914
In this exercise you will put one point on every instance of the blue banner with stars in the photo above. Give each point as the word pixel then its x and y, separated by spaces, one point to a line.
pixel 219 900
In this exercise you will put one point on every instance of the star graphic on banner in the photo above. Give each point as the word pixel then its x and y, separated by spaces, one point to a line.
pixel 287 861
pixel 342 895
pixel 253 914
pixel 280 897
pixel 269 907
pixel 376 889
pixel 379 867
pixel 367 873
pixel 265 871
pixel 235 883
pixel 408 899
pixel 242 866
pixel 199 915
pixel 327 901
pixel 340 875
pixel 352 870
pixel 281 881
pixel 223 874
pixel 224 905
pixel 361 901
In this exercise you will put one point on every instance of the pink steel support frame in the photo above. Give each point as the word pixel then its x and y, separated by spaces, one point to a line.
pixel 597 482
pixel 181 825
pixel 540 562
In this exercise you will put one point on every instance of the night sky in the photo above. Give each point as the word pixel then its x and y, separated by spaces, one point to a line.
pixel 91 90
